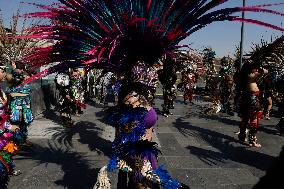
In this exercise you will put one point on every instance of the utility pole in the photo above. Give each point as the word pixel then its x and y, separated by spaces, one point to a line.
pixel 242 38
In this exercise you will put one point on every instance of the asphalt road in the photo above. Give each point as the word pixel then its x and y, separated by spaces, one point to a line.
pixel 200 150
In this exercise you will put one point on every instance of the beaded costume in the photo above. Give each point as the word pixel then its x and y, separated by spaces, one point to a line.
pixel 20 106
pixel 77 92
pixel 65 101
pixel 188 80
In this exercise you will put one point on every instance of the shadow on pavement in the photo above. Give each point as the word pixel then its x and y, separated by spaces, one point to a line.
pixel 220 118
pixel 93 103
pixel 75 165
pixel 52 115
pixel 77 170
pixel 88 134
pixel 273 177
pixel 269 129
pixel 224 144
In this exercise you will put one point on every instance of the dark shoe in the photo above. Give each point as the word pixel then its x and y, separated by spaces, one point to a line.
pixel 230 113
pixel 16 173
pixel 242 135
pixel 183 186
pixel 242 138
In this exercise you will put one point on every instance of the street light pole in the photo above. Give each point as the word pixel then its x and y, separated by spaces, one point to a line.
pixel 242 37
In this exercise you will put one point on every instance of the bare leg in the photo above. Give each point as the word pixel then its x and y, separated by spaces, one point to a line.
pixel 269 106
pixel 242 132
pixel 252 133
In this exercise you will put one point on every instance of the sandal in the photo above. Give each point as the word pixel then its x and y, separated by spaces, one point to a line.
pixel 267 116
pixel 253 142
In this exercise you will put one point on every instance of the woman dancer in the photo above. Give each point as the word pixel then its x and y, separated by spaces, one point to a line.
pixel 134 152
pixel 20 102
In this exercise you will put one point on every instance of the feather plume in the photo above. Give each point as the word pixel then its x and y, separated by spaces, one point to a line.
pixel 114 34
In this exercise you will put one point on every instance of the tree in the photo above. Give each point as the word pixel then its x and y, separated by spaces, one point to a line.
pixel 13 47
pixel 208 56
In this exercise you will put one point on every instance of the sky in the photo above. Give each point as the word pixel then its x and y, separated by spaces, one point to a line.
pixel 223 37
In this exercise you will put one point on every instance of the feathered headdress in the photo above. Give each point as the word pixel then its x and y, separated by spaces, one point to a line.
pixel 269 54
pixel 114 34
pixel 143 74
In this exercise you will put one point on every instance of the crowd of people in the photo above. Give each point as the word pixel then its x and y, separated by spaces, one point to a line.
pixel 252 88
pixel 124 41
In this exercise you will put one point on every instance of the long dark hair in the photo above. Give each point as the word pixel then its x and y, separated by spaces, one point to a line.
pixel 241 77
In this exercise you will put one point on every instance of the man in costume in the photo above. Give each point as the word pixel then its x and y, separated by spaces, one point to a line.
pixel 90 83
pixel 266 89
pixel 107 88
pixel 250 110
pixel 189 80
pixel 168 77
pixel 77 91
pixel 65 100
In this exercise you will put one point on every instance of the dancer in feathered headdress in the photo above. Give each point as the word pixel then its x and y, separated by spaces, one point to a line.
pixel 77 90
pixel 189 79
pixel 127 36
pixel 20 102
pixel 271 57
pixel 168 78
